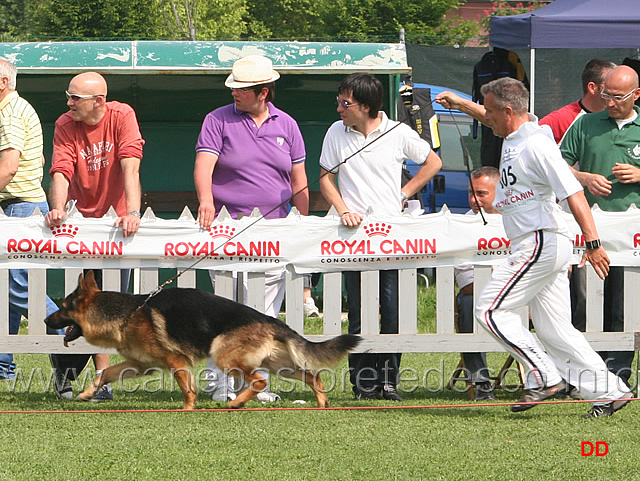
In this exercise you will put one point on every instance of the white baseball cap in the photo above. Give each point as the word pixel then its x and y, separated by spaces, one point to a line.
pixel 251 70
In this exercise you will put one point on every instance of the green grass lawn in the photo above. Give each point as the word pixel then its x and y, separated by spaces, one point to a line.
pixel 449 443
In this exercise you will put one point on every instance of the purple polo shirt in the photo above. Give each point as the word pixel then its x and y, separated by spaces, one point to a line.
pixel 254 165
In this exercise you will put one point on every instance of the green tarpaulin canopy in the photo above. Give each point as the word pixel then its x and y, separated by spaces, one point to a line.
pixel 204 57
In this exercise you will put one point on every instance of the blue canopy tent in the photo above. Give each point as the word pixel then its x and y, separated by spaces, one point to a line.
pixel 569 24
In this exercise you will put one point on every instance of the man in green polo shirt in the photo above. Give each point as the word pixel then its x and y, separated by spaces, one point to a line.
pixel 607 146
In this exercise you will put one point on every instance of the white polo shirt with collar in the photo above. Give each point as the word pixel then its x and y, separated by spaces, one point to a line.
pixel 372 178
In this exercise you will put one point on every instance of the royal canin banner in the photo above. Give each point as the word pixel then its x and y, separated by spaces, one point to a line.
pixel 309 244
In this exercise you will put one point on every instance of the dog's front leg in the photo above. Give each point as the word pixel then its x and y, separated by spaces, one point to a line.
pixel 256 384
pixel 184 377
pixel 112 373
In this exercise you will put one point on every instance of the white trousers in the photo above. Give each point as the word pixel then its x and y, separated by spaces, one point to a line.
pixel 274 290
pixel 536 276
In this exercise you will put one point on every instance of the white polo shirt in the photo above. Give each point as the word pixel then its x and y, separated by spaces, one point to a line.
pixel 372 178
pixel 532 175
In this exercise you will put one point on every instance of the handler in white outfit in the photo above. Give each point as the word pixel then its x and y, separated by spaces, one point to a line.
pixel 532 176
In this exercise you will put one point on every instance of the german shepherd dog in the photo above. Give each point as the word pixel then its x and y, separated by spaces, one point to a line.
pixel 177 327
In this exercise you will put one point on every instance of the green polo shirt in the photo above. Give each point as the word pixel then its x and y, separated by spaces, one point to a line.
pixel 595 141
pixel 20 129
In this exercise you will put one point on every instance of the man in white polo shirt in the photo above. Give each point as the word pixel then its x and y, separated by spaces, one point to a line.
pixel 371 179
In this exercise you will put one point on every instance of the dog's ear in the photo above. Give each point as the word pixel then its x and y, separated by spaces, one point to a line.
pixel 88 281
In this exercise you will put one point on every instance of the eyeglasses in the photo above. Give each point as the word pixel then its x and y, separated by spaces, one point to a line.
pixel 344 104
pixel 78 97
pixel 616 98
pixel 243 89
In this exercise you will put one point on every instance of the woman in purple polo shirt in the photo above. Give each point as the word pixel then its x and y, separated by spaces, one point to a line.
pixel 250 154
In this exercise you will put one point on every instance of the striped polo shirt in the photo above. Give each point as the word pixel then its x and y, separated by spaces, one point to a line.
pixel 20 129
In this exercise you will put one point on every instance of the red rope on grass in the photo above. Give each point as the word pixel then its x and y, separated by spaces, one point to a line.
pixel 343 408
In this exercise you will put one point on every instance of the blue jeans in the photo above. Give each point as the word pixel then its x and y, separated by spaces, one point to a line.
pixel 370 371
pixel 18 293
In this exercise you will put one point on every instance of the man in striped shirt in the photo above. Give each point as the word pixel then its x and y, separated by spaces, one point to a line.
pixel 21 170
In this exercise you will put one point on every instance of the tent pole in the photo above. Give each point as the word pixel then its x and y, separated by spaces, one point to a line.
pixel 532 81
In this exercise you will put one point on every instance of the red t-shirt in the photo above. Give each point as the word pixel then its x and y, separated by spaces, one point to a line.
pixel 560 120
pixel 89 157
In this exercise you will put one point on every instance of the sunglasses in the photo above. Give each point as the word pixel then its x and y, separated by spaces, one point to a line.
pixel 344 104
pixel 616 98
pixel 78 97
pixel 243 89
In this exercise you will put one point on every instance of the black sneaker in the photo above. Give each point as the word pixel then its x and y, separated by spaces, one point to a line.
pixel 366 395
pixel 484 392
pixel 104 394
pixel 604 410
pixel 390 393
pixel 537 395
pixel 61 384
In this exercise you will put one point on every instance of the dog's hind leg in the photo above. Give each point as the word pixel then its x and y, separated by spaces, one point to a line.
pixel 312 379
pixel 256 383
pixel 112 373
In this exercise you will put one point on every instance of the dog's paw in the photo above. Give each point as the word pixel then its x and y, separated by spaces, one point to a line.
pixel 83 397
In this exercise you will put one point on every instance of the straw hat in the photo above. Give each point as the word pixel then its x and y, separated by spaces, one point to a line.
pixel 251 70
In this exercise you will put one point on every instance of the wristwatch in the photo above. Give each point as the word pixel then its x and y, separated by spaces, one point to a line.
pixel 134 212
pixel 594 244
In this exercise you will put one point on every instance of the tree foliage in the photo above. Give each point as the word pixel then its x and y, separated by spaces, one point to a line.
pixel 384 18
pixel 95 19
pixel 364 20
pixel 204 19
pixel 285 19
pixel 14 17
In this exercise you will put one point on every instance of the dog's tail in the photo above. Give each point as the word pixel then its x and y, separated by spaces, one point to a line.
pixel 309 355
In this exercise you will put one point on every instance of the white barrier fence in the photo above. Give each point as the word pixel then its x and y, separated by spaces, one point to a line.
pixel 302 245
pixel 445 339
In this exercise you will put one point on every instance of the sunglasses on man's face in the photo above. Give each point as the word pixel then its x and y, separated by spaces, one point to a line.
pixel 616 98
pixel 344 104
pixel 78 97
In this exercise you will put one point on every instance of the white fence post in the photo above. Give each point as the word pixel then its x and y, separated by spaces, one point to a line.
pixel 445 288
pixel 332 303
pixel 407 299
pixel 369 303
pixel 294 301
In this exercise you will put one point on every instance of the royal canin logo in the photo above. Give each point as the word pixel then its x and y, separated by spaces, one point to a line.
pixel 371 246
pixel 493 243
pixel 64 230
pixel 493 246
pixel 224 231
pixel 224 246
pixel 379 228
pixel 63 242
